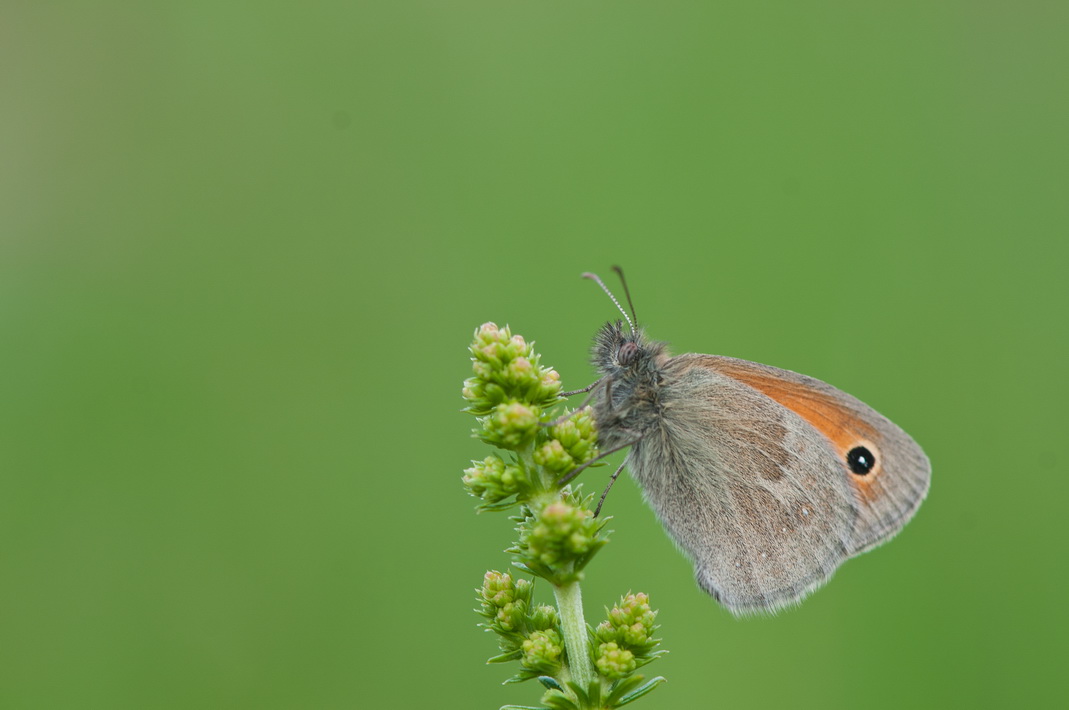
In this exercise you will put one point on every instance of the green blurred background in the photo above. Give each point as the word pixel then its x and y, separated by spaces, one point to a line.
pixel 243 247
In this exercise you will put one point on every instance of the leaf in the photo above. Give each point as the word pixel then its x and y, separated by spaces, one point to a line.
pixel 520 677
pixel 550 682
pixel 622 687
pixel 580 693
pixel 631 697
pixel 594 693
pixel 643 660
pixel 495 507
pixel 506 657
pixel 537 569
pixel 557 700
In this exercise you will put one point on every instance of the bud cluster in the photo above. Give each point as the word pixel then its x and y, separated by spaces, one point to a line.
pixel 527 633
pixel 625 639
pixel 507 370
pixel 493 480
pixel 559 539
pixel 570 443
pixel 511 392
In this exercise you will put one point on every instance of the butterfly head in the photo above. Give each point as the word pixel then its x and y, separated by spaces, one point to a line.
pixel 626 354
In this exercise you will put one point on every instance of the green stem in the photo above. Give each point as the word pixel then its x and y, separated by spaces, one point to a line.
pixel 573 625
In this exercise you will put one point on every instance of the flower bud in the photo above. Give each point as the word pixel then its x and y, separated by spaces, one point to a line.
pixel 498 588
pixel 542 651
pixel 630 625
pixel 544 617
pixel 510 617
pixel 493 480
pixel 614 662
pixel 561 533
pixel 554 457
pixel 505 601
pixel 510 425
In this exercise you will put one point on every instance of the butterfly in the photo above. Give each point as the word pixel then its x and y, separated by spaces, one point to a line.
pixel 766 479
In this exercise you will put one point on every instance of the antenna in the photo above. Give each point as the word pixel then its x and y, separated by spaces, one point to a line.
pixel 594 277
pixel 627 292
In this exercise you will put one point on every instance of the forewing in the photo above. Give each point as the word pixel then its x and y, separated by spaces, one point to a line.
pixel 750 491
pixel 889 494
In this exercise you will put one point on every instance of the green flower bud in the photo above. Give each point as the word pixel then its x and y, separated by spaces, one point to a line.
pixel 530 383
pixel 549 384
pixel 510 425
pixel 505 602
pixel 498 588
pixel 635 635
pixel 577 435
pixel 524 590
pixel 544 617
pixel 493 480
pixel 561 533
pixel 614 662
pixel 554 457
pixel 487 333
pixel 542 651
pixel 510 617
pixel 571 443
pixel 631 625
pixel 634 611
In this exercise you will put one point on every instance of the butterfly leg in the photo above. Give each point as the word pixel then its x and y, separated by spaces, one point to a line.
pixel 611 481
pixel 586 401
pixel 585 389
pixel 579 469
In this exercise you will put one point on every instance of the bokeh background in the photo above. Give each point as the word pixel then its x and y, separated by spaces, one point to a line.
pixel 243 247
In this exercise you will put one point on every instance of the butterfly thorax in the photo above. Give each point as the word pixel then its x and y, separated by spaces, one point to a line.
pixel 627 403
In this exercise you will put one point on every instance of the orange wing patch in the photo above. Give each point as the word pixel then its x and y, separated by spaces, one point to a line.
pixel 840 425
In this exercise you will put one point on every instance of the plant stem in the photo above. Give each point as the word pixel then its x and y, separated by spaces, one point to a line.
pixel 573 625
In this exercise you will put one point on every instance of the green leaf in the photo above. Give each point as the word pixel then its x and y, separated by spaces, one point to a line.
pixel 622 687
pixel 557 700
pixel 550 682
pixel 521 677
pixel 594 693
pixel 641 661
pixel 495 507
pixel 631 697
pixel 506 657
pixel 538 570
pixel 580 693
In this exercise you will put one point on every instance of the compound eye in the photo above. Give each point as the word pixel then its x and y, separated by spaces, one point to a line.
pixel 627 353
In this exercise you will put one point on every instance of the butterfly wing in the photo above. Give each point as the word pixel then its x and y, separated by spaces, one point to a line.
pixel 749 474
pixel 889 492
